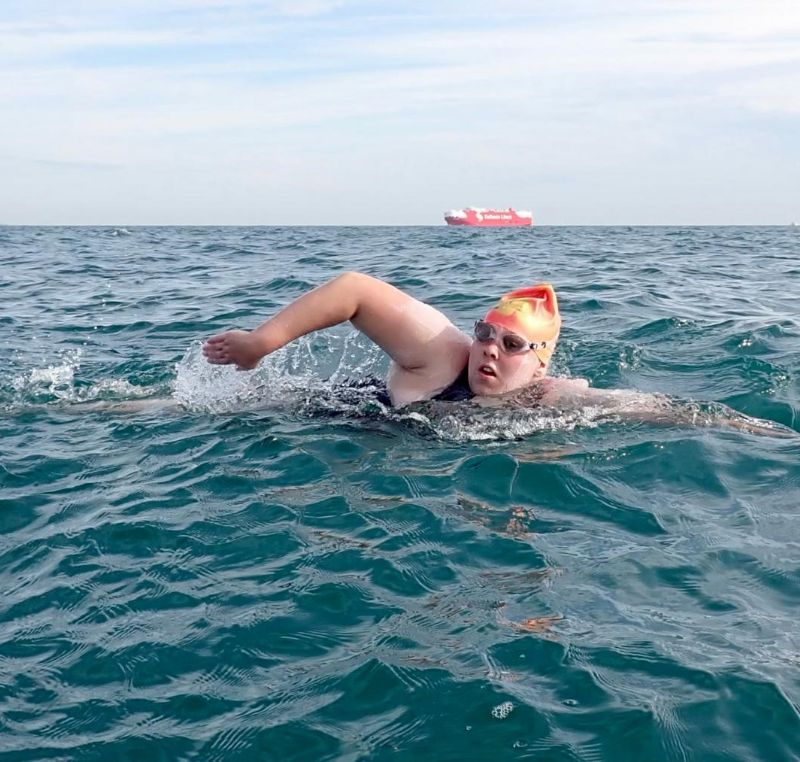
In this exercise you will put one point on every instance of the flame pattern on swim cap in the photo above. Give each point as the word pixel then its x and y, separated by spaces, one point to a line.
pixel 531 312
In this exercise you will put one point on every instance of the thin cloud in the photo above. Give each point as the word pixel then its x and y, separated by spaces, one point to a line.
pixel 441 95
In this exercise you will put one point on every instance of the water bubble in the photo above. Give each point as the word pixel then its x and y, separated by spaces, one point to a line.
pixel 501 711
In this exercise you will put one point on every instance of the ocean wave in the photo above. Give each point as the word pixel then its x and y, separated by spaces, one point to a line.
pixel 60 384
pixel 204 563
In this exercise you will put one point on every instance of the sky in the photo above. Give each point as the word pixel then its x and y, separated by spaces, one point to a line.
pixel 339 112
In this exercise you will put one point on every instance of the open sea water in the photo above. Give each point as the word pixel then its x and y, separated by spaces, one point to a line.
pixel 264 569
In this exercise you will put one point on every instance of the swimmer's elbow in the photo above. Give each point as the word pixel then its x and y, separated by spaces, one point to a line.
pixel 354 288
pixel 368 297
pixel 352 280
pixel 348 277
pixel 340 298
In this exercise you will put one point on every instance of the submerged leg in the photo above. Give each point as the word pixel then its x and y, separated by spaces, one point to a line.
pixel 125 406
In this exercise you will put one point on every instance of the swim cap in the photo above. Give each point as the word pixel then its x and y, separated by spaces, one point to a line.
pixel 532 313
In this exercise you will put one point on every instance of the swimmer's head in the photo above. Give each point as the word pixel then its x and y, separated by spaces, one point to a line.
pixel 515 340
pixel 531 313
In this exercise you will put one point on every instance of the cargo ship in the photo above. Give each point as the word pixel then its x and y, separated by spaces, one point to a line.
pixel 486 218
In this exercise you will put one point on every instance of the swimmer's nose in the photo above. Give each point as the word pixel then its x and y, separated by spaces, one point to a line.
pixel 490 349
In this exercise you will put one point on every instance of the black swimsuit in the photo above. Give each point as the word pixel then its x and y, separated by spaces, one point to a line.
pixel 458 391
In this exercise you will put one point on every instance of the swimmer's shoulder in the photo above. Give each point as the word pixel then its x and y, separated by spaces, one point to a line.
pixel 557 383
pixel 445 363
pixel 554 389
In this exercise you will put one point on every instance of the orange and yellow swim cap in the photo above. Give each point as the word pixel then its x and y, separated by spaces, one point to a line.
pixel 532 313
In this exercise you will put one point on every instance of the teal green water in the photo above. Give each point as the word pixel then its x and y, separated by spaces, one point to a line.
pixel 267 569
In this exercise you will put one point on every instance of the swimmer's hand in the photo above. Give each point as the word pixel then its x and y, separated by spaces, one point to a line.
pixel 757 426
pixel 240 348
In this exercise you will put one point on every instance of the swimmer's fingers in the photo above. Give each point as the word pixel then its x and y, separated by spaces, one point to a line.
pixel 217 338
pixel 216 350
pixel 232 348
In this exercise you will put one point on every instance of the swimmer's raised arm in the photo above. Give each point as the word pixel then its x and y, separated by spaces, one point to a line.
pixel 419 338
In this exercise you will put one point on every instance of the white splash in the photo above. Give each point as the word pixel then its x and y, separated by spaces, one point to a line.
pixel 56 379
pixel 501 711
pixel 57 384
pixel 300 375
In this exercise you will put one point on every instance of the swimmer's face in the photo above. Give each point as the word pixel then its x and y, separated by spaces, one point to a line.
pixel 493 371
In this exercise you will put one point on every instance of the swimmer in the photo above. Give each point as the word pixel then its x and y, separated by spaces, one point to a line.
pixel 511 348
pixel 507 358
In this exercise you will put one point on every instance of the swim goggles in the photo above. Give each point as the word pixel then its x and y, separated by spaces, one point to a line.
pixel 510 343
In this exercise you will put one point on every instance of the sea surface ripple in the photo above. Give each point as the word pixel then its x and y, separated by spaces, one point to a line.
pixel 203 564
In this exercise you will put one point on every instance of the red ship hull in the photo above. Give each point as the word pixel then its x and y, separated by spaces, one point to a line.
pixel 488 218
